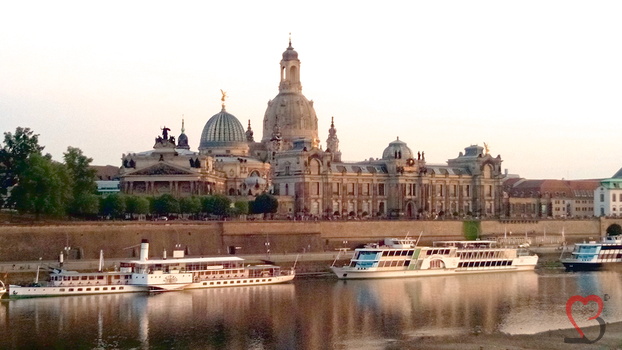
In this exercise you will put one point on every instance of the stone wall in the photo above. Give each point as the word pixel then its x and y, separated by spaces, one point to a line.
pixel 121 240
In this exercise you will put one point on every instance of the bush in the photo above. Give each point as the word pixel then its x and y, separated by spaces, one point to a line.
pixel 471 229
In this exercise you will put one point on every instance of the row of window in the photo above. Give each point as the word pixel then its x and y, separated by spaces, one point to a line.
pixel 398 253
pixel 610 256
pixel 488 263
pixel 481 255
pixel 614 197
pixel 94 289
pixel 393 263
pixel 438 251
pixel 365 189
pixel 217 283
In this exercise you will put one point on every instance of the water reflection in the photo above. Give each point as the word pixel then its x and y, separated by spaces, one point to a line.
pixel 547 311
pixel 308 314
pixel 434 306
pixel 231 318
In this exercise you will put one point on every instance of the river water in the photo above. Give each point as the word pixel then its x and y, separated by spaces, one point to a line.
pixel 318 313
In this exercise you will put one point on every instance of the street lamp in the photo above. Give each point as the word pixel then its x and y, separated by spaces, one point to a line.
pixel 267 244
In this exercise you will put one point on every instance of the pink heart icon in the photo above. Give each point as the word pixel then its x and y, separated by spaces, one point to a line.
pixel 584 300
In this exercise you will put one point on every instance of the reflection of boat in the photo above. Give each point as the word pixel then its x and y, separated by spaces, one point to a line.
pixel 146 274
pixel 594 255
pixel 402 258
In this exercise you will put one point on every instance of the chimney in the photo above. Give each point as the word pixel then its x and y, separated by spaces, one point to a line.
pixel 144 250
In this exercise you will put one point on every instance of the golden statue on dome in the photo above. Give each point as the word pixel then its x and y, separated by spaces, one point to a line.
pixel 224 96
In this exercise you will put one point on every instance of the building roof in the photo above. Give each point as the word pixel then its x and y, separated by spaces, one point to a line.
pixel 106 172
pixel 550 188
pixel 222 129
pixel 397 150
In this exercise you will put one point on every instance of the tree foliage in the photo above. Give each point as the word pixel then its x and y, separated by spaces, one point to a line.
pixel 16 150
pixel 241 207
pixel 190 205
pixel 614 230
pixel 42 187
pixel 165 204
pixel 216 204
pixel 136 205
pixel 471 229
pixel 83 184
pixel 113 205
pixel 264 203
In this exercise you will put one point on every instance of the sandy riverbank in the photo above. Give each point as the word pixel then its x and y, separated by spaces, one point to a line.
pixel 553 340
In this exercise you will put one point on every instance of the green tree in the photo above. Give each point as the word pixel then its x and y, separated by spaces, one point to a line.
pixel 82 181
pixel 471 229
pixel 42 187
pixel 165 204
pixel 87 205
pixel 614 230
pixel 190 205
pixel 216 204
pixel 112 205
pixel 264 204
pixel 16 150
pixel 136 205
pixel 241 207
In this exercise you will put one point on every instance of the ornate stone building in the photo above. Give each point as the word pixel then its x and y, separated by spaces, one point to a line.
pixel 222 164
pixel 308 180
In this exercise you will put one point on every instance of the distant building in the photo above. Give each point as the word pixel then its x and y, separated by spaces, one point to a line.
pixel 534 199
pixel 608 196
pixel 107 179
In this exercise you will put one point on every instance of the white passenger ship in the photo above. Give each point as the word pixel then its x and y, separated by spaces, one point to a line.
pixel 153 275
pixel 594 255
pixel 403 258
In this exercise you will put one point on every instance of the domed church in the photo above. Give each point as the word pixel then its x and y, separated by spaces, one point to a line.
pixel 308 180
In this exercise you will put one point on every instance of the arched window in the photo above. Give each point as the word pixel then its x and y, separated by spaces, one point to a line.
pixel 315 166
pixel 487 171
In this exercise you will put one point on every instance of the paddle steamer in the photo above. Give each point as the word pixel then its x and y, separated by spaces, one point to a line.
pixel 155 275
pixel 403 258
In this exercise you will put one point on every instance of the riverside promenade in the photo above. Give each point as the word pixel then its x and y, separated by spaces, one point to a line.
pixel 306 264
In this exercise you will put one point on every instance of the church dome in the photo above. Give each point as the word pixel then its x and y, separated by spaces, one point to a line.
pixel 290 113
pixel 222 130
pixel 397 150
pixel 290 54
pixel 182 141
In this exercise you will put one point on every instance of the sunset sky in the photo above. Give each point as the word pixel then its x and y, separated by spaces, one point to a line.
pixel 539 81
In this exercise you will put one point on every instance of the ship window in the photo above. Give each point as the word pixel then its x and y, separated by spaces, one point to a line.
pixel 71 289
pixel 62 290
pixel 79 289
pixel 88 289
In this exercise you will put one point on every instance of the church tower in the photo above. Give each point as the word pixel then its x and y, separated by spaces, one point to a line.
pixel 182 140
pixel 332 143
pixel 290 111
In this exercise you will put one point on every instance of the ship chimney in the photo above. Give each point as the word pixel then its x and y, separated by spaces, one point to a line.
pixel 144 250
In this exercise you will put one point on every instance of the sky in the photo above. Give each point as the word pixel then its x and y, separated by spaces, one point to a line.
pixel 540 82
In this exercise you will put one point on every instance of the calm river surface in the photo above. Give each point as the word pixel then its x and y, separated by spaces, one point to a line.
pixel 310 313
